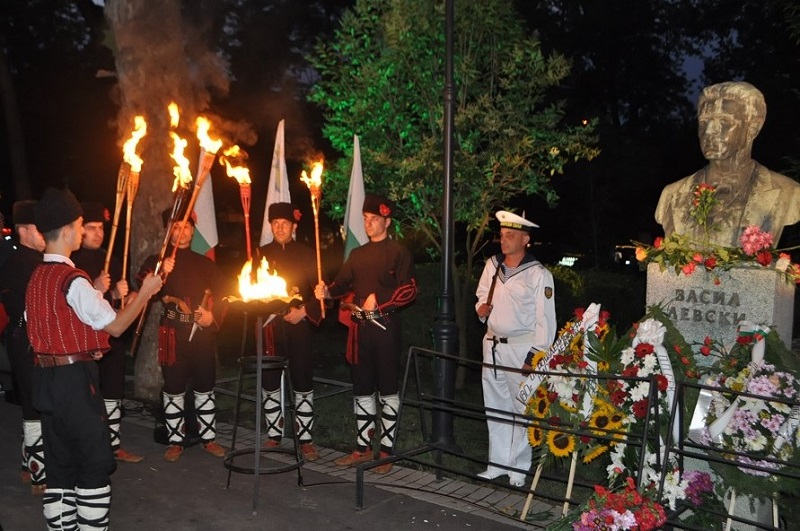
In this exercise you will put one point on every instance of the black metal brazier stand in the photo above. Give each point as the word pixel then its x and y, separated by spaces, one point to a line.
pixel 262 310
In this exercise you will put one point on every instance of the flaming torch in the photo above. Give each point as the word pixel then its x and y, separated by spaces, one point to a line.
pixel 129 158
pixel 242 176
pixel 208 152
pixel 180 189
pixel 314 184
pixel 135 163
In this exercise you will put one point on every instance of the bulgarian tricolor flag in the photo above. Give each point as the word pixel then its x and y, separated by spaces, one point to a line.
pixel 205 237
pixel 354 232
pixel 278 187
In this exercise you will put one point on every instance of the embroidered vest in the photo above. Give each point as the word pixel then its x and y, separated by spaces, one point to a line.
pixel 53 326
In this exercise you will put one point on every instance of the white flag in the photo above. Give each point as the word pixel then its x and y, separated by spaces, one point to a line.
pixel 278 187
pixel 355 235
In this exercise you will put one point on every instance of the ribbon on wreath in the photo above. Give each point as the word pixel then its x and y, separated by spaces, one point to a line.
pixel 758 334
pixel 652 331
pixel 561 344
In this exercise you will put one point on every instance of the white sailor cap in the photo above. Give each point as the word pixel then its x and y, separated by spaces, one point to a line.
pixel 510 220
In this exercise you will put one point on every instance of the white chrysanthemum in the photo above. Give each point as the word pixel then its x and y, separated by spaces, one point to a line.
pixel 627 356
pixel 640 391
pixel 649 364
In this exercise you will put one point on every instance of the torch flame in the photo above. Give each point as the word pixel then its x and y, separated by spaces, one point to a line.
pixel 129 147
pixel 174 114
pixel 209 145
pixel 183 177
pixel 315 181
pixel 238 172
pixel 268 285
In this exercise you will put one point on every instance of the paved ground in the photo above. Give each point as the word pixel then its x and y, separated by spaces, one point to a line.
pixel 191 494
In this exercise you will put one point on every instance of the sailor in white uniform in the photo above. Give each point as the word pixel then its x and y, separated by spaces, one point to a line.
pixel 516 301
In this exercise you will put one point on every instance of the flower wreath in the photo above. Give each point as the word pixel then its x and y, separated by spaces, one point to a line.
pixel 561 404
pixel 754 425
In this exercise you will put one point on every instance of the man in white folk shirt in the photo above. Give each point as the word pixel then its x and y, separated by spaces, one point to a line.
pixel 516 301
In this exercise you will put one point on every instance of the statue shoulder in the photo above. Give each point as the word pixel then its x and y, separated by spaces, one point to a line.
pixel 674 193
pixel 777 180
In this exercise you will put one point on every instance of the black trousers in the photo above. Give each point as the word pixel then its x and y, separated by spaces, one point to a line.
pixel 195 362
pixel 378 359
pixel 294 343
pixel 77 446
pixel 112 371
pixel 20 357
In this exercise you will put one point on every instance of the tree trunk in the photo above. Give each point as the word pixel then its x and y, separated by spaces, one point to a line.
pixel 152 71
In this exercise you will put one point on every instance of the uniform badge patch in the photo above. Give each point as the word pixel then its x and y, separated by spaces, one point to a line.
pixel 548 292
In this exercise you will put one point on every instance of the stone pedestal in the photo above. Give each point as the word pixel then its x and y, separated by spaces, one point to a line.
pixel 700 307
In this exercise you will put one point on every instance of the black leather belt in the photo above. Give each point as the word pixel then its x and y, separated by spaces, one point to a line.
pixel 179 317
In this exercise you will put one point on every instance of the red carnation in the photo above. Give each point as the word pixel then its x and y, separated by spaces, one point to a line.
pixel 710 263
pixel 705 351
pixel 385 210
pixel 764 258
pixel 658 242
pixel 662 382
pixel 297 214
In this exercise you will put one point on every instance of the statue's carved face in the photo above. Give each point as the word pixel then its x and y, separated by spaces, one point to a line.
pixel 722 128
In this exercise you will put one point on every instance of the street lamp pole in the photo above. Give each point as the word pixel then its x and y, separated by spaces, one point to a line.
pixel 445 330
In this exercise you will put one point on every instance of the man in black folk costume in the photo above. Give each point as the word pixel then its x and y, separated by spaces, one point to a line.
pixel 380 274
pixel 91 258
pixel 289 335
pixel 187 337
pixel 14 277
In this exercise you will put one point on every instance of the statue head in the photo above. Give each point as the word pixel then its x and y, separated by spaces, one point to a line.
pixel 729 116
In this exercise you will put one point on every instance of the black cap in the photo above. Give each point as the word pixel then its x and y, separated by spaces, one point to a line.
pixel 93 212
pixel 285 211
pixel 165 215
pixel 57 208
pixel 23 212
pixel 378 205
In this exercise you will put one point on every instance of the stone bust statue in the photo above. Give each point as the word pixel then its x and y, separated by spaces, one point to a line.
pixel 730 116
